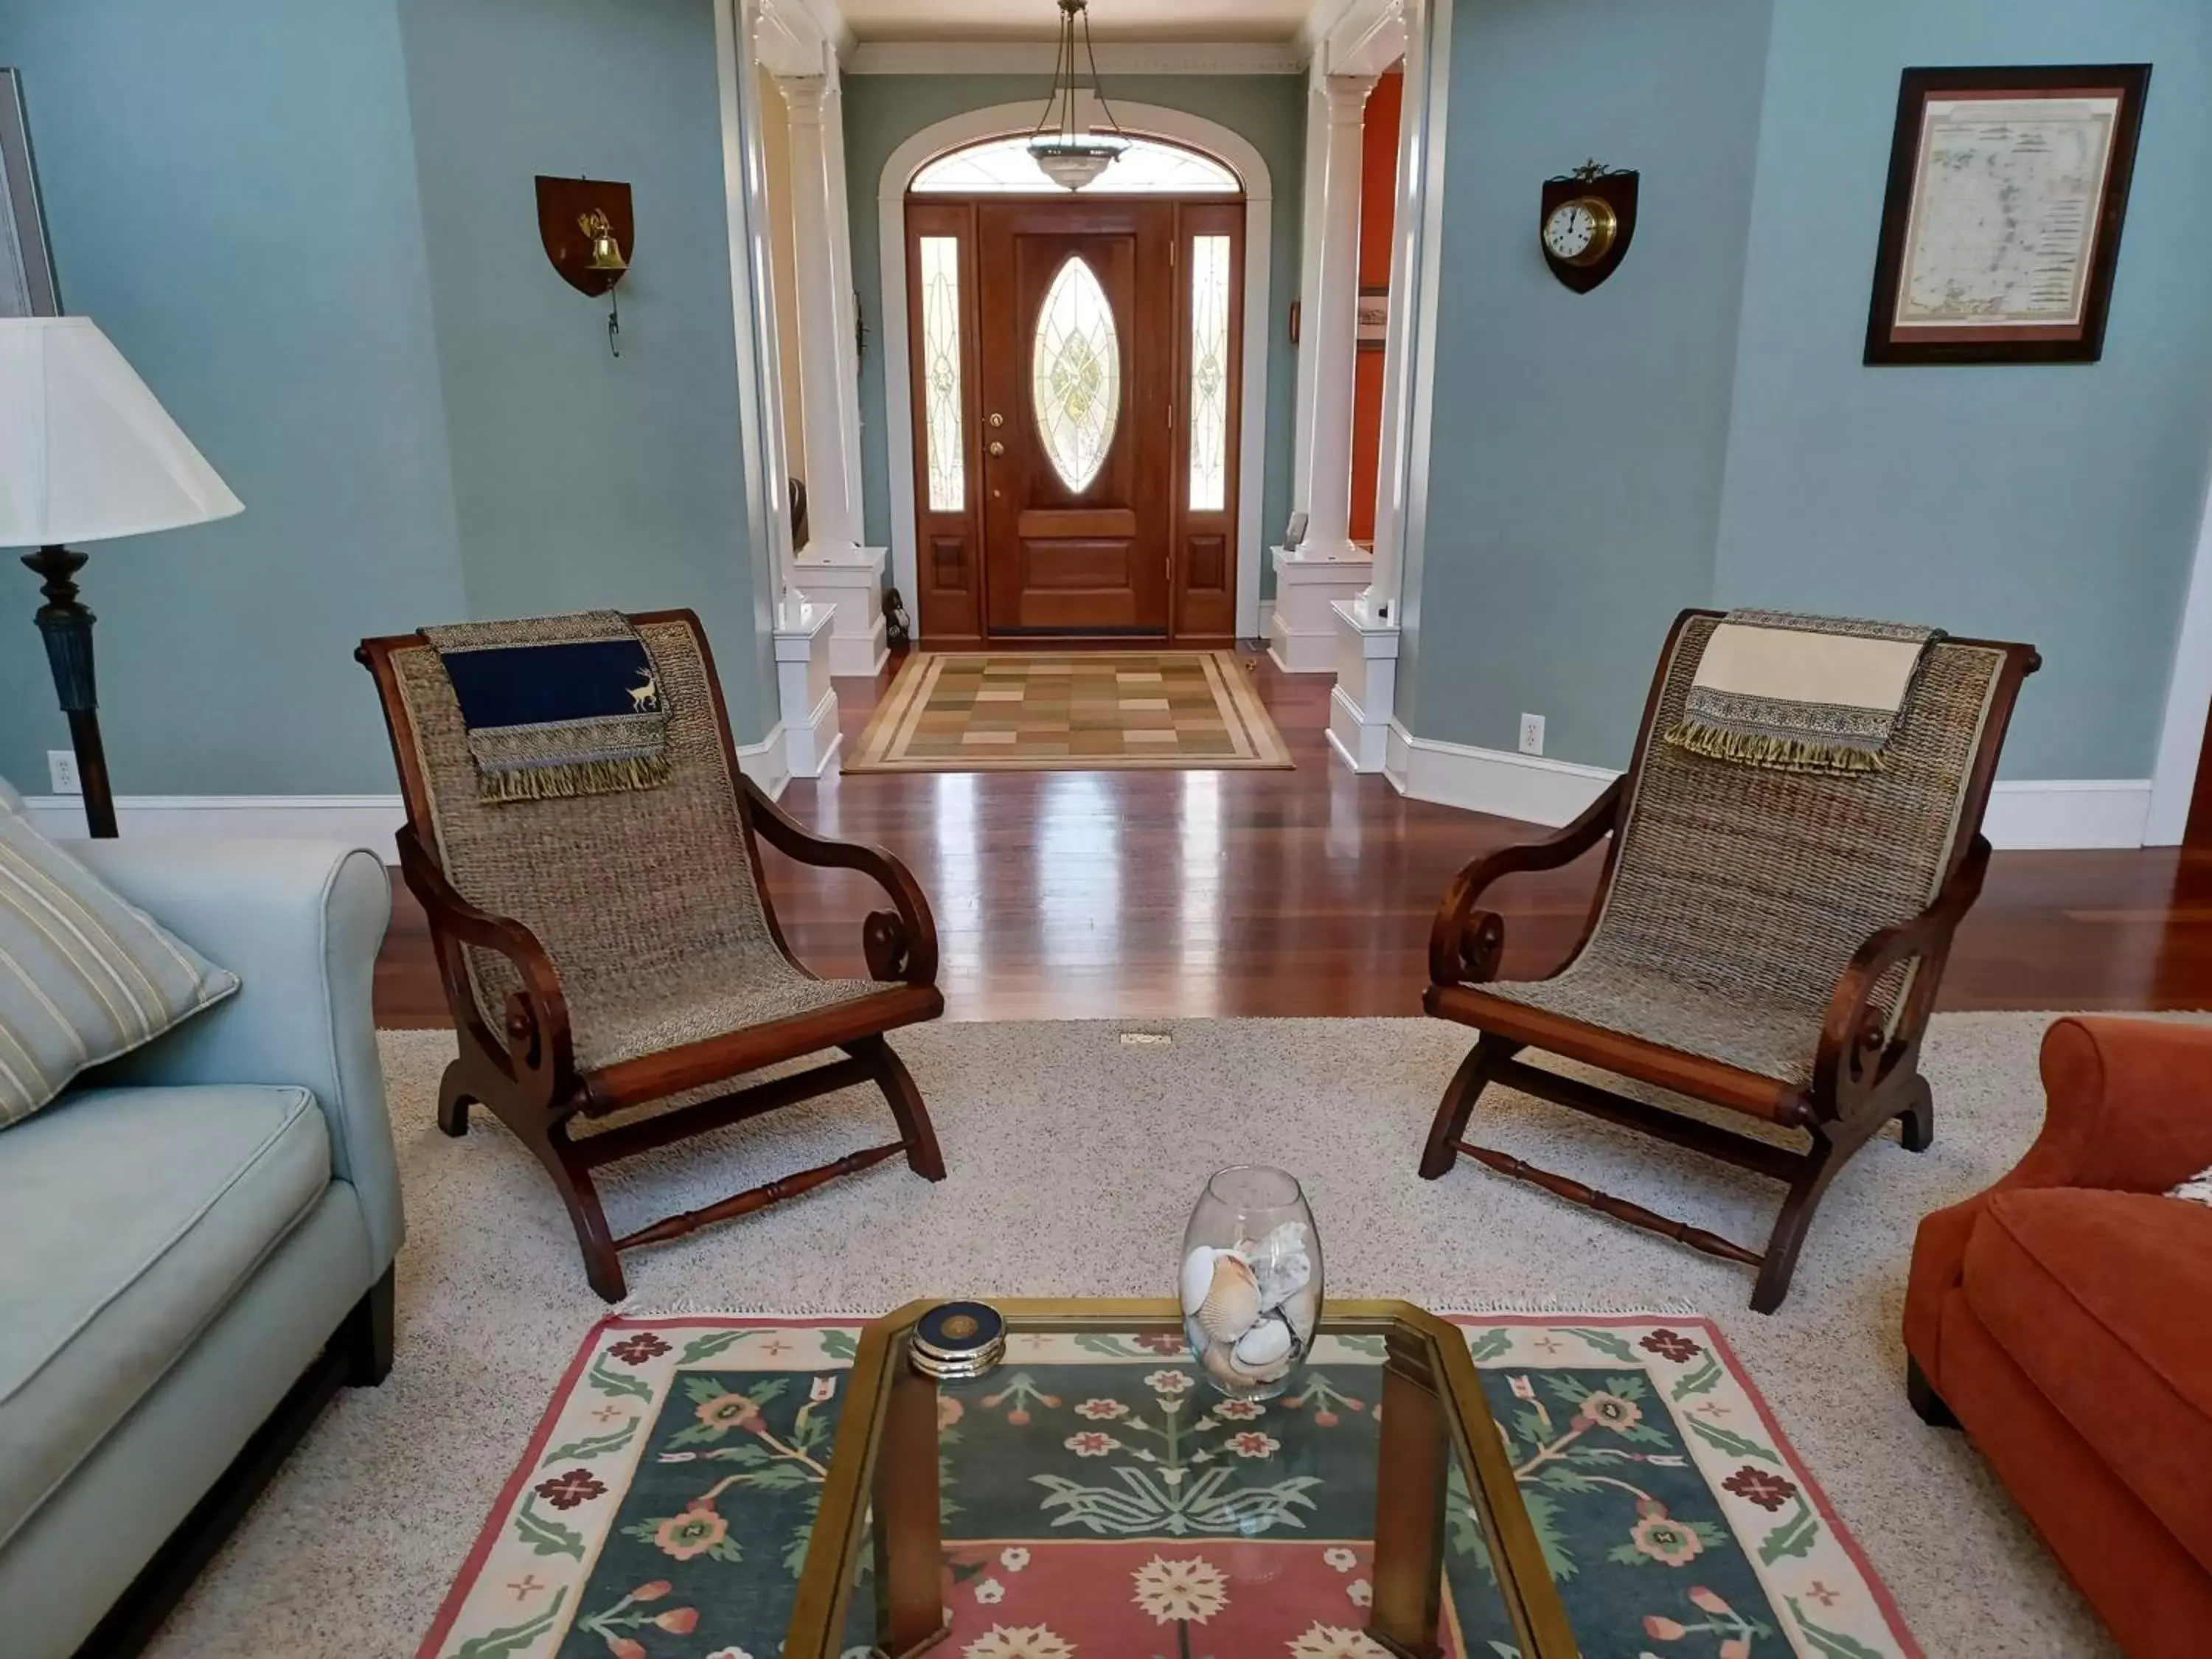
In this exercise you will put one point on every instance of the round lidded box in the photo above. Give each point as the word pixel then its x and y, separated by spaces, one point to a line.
pixel 958 1340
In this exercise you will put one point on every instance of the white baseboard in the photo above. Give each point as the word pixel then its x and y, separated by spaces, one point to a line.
pixel 1529 787
pixel 2068 812
pixel 1300 650
pixel 371 820
pixel 2055 814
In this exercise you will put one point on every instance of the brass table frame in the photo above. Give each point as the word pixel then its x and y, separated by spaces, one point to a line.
pixel 885 1456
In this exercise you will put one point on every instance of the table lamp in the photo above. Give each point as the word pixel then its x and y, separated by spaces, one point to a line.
pixel 86 454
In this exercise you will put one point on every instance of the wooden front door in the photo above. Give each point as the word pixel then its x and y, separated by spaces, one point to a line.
pixel 1076 389
pixel 1075 373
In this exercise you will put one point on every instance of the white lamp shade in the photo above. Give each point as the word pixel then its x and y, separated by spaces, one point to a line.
pixel 86 453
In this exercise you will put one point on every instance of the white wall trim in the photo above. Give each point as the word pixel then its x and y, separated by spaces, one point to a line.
pixel 1114 57
pixel 1148 119
pixel 2036 813
pixel 2068 812
pixel 2188 698
pixel 371 820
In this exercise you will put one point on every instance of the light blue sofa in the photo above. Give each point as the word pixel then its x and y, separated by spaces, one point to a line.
pixel 196 1244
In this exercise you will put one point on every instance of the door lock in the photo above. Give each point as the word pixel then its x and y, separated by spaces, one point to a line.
pixel 998 420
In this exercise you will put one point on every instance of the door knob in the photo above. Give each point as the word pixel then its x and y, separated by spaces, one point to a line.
pixel 996 448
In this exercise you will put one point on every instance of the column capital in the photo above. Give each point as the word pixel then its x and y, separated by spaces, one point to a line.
pixel 804 95
pixel 1347 96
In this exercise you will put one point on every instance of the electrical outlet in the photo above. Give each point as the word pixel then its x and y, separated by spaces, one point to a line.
pixel 1532 734
pixel 61 769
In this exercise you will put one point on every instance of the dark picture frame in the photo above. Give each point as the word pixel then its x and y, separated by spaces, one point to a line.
pixel 2059 316
pixel 27 267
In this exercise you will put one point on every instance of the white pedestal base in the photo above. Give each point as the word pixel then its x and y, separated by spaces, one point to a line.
pixel 1301 633
pixel 1366 662
pixel 851 579
pixel 806 703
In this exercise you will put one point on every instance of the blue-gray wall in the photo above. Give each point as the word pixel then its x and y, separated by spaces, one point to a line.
pixel 1702 429
pixel 882 112
pixel 2057 504
pixel 230 194
pixel 582 479
pixel 1578 440
pixel 311 230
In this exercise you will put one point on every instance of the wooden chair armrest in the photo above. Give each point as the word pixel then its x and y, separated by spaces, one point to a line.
pixel 1465 944
pixel 1861 1041
pixel 901 943
pixel 537 1035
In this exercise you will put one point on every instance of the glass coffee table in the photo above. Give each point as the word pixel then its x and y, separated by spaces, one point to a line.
pixel 1092 1494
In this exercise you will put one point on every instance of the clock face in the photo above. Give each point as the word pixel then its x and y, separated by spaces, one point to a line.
pixel 1570 231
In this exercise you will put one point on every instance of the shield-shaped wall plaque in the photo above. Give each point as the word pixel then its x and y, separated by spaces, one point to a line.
pixel 564 206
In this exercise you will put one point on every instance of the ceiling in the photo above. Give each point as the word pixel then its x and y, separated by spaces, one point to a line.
pixel 1272 21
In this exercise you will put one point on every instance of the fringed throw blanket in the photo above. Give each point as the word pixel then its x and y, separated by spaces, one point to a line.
pixel 557 706
pixel 1801 694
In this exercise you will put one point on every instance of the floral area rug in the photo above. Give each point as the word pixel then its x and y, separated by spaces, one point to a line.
pixel 1099 1502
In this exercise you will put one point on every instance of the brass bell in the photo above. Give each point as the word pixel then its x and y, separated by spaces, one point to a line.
pixel 606 253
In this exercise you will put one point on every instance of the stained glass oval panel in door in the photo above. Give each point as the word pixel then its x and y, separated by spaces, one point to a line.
pixel 1075 375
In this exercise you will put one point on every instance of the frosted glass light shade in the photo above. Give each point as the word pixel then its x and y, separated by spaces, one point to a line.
pixel 86 452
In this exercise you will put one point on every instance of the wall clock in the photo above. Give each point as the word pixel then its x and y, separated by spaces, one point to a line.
pixel 1588 219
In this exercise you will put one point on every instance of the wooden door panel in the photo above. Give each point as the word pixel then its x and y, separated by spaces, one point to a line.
pixel 1089 555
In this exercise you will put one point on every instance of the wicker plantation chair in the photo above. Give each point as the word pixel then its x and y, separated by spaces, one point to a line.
pixel 1766 941
pixel 608 951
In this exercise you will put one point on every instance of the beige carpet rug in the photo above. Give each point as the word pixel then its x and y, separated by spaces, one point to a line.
pixel 1074 1159
pixel 1070 711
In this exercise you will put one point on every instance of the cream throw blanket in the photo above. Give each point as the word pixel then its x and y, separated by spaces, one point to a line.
pixel 1801 694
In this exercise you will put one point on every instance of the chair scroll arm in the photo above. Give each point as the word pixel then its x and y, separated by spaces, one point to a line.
pixel 901 943
pixel 540 1048
pixel 1862 1043
pixel 1465 944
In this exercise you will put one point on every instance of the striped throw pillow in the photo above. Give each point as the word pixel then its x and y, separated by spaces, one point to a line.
pixel 83 975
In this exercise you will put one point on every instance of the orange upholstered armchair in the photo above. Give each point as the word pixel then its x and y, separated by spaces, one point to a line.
pixel 2063 1318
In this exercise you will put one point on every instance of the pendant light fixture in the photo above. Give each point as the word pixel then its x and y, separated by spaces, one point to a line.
pixel 1070 158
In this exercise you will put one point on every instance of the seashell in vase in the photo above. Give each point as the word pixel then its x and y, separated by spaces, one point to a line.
pixel 1251 1281
pixel 1232 1305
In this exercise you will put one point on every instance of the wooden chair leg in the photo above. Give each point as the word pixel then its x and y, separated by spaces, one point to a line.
pixel 453 1101
pixel 1452 1112
pixel 922 1155
pixel 1917 1122
pixel 572 1178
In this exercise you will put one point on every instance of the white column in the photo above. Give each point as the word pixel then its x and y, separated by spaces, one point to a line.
pixel 1334 325
pixel 835 568
pixel 1326 566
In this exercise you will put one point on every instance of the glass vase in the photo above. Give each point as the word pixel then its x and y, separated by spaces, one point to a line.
pixel 1251 1281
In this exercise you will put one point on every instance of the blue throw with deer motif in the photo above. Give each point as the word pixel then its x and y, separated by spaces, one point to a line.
pixel 557 706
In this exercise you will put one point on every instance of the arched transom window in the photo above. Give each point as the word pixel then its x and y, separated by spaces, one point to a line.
pixel 1003 166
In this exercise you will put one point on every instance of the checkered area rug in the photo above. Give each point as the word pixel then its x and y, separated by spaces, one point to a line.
pixel 1070 711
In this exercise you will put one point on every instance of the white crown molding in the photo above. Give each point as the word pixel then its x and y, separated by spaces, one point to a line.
pixel 936 56
pixel 2036 813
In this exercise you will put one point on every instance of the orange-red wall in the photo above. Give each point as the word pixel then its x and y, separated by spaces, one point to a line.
pixel 1378 190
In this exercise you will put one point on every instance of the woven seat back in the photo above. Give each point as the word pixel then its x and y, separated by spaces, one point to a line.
pixel 630 893
pixel 1735 878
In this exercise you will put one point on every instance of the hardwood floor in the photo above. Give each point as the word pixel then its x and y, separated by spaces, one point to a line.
pixel 1147 895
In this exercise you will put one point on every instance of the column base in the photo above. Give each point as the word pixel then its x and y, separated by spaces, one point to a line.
pixel 1359 708
pixel 806 702
pixel 852 579
pixel 1301 633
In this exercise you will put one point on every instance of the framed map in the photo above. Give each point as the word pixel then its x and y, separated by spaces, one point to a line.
pixel 2008 189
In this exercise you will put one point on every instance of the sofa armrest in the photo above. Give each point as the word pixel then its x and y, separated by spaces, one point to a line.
pixel 299 923
pixel 2127 1107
